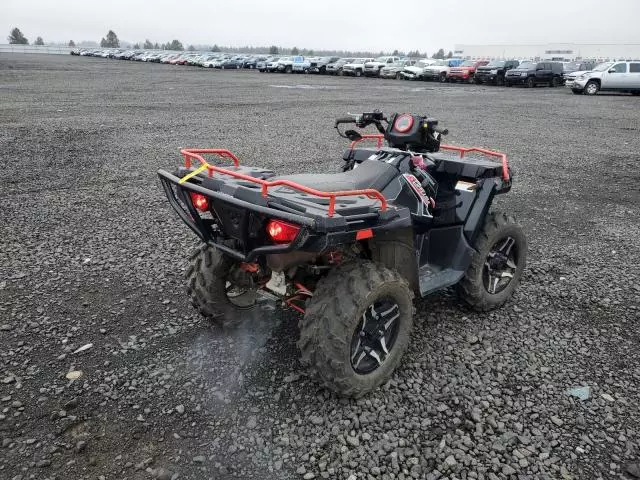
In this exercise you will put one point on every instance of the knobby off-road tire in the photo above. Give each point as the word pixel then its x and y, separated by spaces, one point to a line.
pixel 335 313
pixel 207 286
pixel 498 227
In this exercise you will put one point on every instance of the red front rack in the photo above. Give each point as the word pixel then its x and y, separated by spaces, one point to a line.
pixel 192 153
pixel 462 150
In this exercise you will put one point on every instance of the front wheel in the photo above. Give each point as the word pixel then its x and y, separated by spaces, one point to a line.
pixel 497 264
pixel 358 73
pixel 576 91
pixel 591 88
pixel 443 77
pixel 219 290
pixel 531 82
pixel 356 327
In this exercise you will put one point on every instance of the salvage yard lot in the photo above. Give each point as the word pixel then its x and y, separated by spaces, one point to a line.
pixel 90 252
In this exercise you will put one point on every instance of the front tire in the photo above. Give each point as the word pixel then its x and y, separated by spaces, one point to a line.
pixel 497 264
pixel 210 291
pixel 356 327
pixel 591 88
pixel 443 77
pixel 531 82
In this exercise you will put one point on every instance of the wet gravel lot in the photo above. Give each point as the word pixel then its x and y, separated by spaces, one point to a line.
pixel 90 252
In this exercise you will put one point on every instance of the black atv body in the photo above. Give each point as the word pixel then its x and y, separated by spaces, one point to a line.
pixel 403 218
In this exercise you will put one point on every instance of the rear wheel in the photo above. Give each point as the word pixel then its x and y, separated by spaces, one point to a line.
pixel 218 289
pixel 555 82
pixel 443 77
pixel 499 80
pixel 497 264
pixel 398 76
pixel 356 327
pixel 288 69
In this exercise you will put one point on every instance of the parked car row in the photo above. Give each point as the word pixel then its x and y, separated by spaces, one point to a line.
pixel 582 77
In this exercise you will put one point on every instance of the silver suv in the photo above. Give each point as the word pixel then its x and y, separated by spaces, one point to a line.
pixel 611 76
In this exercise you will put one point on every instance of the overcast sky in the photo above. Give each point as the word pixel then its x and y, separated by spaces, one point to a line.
pixel 329 24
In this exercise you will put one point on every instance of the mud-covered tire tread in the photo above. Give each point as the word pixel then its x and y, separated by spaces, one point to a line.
pixel 336 302
pixel 206 286
pixel 471 288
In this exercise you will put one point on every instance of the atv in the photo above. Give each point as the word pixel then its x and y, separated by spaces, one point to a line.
pixel 349 250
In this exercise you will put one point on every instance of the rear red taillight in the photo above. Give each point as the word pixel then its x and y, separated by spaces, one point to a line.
pixel 282 232
pixel 200 202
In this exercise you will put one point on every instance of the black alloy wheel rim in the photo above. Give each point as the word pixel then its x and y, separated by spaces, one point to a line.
pixel 375 336
pixel 500 265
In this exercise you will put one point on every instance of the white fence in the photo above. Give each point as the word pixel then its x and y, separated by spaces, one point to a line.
pixel 44 49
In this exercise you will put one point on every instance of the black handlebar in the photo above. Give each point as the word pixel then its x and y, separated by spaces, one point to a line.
pixel 345 120
pixel 440 130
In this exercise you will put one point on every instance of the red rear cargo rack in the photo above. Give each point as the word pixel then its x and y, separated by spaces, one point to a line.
pixel 193 153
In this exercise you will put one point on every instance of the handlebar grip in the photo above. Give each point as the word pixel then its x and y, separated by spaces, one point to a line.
pixel 345 120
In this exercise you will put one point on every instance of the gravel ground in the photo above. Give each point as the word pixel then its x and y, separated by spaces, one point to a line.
pixel 90 253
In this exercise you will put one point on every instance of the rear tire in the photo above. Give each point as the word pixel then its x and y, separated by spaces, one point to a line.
pixel 555 82
pixel 443 77
pixel 501 240
pixel 209 289
pixel 356 305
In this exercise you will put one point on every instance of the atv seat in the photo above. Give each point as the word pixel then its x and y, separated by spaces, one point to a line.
pixel 369 174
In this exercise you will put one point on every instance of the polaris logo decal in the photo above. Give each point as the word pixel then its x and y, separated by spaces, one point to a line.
pixel 414 183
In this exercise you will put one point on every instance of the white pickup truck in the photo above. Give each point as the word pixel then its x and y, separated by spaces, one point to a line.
pixel 613 76
pixel 372 68
pixel 355 68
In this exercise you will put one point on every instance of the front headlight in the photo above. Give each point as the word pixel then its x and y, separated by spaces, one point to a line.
pixel 494 72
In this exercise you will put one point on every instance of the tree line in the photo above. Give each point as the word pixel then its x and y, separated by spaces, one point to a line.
pixel 111 40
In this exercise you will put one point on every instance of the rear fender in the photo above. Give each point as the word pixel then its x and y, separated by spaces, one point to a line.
pixel 395 249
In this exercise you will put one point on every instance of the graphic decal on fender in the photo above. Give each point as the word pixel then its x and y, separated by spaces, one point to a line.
pixel 417 187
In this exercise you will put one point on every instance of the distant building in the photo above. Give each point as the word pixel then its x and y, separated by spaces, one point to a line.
pixel 550 51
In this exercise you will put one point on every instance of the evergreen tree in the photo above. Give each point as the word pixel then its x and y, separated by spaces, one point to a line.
pixel 111 40
pixel 17 38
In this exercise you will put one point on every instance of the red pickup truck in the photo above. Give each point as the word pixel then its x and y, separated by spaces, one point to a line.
pixel 466 70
